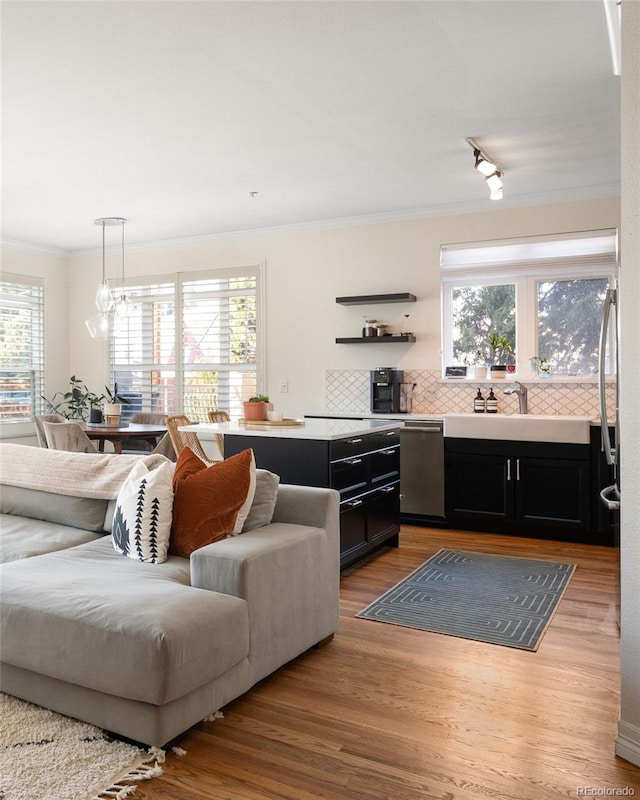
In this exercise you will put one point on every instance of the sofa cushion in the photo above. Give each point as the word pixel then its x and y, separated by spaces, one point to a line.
pixel 210 502
pixel 22 537
pixel 264 500
pixel 78 512
pixel 142 519
pixel 118 626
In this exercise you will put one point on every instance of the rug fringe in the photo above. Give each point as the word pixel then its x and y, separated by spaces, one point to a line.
pixel 143 772
pixel 213 717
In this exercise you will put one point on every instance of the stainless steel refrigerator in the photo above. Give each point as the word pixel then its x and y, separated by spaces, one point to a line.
pixel 610 495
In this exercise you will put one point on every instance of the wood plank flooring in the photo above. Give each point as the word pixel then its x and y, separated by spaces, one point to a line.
pixel 390 713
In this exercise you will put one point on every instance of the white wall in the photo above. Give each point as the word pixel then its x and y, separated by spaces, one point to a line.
pixel 54 270
pixel 305 272
pixel 628 742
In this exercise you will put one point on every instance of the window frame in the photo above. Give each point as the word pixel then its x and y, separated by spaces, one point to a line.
pixel 24 427
pixel 525 274
pixel 178 280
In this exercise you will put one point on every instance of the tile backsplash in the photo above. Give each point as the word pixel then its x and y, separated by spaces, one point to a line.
pixel 347 391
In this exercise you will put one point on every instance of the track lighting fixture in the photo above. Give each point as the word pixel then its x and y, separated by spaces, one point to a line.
pixel 488 167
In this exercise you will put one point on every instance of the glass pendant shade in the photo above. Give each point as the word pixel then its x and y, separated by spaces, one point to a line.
pixel 122 305
pixel 104 298
pixel 98 326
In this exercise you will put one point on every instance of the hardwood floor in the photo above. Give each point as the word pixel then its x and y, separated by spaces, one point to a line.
pixel 384 712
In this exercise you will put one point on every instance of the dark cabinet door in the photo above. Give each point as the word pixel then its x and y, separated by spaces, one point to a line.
pixel 478 487
pixel 552 493
pixel 383 509
pixel 353 530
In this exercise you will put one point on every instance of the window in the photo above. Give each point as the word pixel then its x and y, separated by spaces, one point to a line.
pixel 537 297
pixel 21 348
pixel 189 344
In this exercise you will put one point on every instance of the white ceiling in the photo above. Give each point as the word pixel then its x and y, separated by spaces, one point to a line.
pixel 170 113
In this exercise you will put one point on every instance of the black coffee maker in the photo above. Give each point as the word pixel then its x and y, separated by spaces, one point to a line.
pixel 385 390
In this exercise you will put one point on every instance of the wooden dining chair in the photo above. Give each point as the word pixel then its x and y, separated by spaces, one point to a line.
pixel 39 419
pixel 219 416
pixel 181 439
pixel 67 436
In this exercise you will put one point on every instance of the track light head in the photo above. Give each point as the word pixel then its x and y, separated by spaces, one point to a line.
pixel 491 171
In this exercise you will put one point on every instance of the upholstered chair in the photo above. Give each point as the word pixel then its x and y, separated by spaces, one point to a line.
pixel 68 436
pixel 39 419
pixel 164 447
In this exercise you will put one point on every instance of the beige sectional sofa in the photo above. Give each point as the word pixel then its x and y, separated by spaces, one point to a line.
pixel 148 650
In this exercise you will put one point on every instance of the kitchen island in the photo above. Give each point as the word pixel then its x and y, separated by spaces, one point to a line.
pixel 358 458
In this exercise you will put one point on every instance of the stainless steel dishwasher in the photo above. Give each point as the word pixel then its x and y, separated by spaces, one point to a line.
pixel 422 470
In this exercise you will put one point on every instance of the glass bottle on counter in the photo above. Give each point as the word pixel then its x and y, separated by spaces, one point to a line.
pixel 492 403
pixel 479 403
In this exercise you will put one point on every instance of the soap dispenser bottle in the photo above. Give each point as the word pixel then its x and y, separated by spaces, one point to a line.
pixel 492 403
pixel 479 403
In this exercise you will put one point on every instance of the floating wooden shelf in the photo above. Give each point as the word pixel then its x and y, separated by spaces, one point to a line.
pixel 406 337
pixel 369 299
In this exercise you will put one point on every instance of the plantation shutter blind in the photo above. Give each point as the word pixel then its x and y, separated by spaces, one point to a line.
pixel 219 341
pixel 143 349
pixel 21 347
pixel 190 344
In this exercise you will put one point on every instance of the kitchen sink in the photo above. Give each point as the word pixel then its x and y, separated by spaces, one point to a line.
pixel 518 427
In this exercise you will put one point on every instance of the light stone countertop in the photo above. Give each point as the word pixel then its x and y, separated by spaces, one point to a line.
pixel 325 428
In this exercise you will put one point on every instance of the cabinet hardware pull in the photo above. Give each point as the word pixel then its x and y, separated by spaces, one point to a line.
pixel 388 452
pixel 388 489
pixel 355 503
pixel 508 469
pixel 354 441
pixel 390 433
pixel 353 461
pixel 517 469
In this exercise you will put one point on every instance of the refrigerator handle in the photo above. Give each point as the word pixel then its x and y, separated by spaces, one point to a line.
pixel 613 504
pixel 609 303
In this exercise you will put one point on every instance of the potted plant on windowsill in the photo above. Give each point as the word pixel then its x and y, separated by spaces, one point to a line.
pixel 500 354
pixel 256 407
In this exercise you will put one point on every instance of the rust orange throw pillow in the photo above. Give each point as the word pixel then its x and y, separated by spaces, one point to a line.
pixel 210 502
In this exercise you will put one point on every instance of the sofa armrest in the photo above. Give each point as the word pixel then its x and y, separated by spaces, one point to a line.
pixel 307 505
pixel 289 575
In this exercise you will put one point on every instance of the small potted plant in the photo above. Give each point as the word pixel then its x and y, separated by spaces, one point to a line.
pixel 113 409
pixel 73 404
pixel 500 353
pixel 95 408
pixel 256 407
pixel 541 365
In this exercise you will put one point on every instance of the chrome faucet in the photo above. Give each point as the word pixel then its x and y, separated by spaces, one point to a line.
pixel 522 393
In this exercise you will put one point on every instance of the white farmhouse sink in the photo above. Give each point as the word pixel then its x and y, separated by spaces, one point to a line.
pixel 518 427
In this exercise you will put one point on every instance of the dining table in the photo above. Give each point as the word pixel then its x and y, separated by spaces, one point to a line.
pixel 117 434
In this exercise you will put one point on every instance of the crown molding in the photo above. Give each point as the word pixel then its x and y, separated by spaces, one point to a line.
pixel 58 252
pixel 407 215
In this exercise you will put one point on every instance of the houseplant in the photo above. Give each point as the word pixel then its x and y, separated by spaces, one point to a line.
pixel 255 408
pixel 73 404
pixel 95 407
pixel 113 408
pixel 500 353
pixel 541 365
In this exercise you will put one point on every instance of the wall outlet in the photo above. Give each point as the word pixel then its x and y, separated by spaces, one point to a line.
pixel 284 385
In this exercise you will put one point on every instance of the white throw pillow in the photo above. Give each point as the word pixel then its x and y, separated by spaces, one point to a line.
pixel 142 520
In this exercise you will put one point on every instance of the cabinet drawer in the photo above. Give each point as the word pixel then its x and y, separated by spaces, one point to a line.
pixel 350 475
pixel 353 446
pixel 384 465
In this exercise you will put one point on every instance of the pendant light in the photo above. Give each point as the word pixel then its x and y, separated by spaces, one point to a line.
pixel 104 298
pixel 98 325
pixel 122 304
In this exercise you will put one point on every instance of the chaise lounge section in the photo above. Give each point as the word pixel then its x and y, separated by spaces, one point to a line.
pixel 148 650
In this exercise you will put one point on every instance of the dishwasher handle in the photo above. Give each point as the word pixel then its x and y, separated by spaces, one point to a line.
pixel 425 428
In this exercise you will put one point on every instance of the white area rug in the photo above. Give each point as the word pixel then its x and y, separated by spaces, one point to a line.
pixel 45 756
